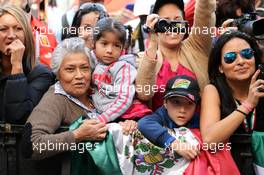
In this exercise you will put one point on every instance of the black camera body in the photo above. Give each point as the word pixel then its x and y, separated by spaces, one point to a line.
pixel 164 25
pixel 261 74
pixel 249 24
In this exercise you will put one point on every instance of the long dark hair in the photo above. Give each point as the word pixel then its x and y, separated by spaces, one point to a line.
pixel 218 79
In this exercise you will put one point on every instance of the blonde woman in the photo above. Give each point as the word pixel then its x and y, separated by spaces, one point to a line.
pixel 22 83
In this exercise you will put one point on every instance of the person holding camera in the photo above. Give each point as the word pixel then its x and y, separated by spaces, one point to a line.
pixel 233 102
pixel 171 51
pixel 232 9
pixel 239 15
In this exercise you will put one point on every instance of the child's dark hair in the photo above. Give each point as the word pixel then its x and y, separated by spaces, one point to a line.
pixel 110 25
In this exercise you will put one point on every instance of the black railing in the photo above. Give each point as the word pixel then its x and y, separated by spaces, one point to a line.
pixel 10 134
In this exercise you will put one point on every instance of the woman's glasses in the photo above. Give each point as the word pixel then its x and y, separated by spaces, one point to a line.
pixel 230 57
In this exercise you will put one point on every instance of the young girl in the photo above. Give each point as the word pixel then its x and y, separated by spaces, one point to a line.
pixel 114 75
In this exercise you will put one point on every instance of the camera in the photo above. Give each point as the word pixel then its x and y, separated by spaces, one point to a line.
pixel 261 74
pixel 249 24
pixel 164 25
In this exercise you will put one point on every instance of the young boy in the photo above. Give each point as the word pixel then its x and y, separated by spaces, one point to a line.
pixel 181 98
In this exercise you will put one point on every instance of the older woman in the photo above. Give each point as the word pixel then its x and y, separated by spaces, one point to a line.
pixel 66 101
pixel 22 83
pixel 63 104
pixel 233 102
pixel 168 54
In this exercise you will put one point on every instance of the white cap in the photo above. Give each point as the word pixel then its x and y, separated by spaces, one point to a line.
pixel 142 7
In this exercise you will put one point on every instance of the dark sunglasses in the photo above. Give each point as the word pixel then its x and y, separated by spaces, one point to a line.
pixel 230 57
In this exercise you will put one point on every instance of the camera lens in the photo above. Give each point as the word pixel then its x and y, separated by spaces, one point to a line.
pixel 258 31
pixel 162 26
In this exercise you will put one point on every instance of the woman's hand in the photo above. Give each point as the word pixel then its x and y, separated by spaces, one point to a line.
pixel 227 26
pixel 90 129
pixel 255 90
pixel 151 51
pixel 128 126
pixel 152 19
pixel 16 50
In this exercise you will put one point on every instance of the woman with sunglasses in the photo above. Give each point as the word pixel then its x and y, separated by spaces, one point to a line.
pixel 233 102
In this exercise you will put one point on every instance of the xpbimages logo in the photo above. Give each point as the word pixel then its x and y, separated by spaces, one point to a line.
pixel 213 147
pixel 59 146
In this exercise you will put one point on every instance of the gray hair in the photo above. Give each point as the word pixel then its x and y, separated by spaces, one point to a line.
pixel 69 45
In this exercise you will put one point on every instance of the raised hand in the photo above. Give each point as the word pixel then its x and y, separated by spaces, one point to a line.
pixel 255 90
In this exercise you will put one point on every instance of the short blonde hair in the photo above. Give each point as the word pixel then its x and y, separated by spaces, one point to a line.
pixel 29 57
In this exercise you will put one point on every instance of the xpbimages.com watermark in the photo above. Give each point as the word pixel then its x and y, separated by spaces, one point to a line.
pixel 213 147
pixel 146 89
pixel 84 31
pixel 68 31
pixel 58 146
pixel 212 31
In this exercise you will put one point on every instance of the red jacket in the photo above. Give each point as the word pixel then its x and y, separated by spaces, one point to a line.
pixel 45 41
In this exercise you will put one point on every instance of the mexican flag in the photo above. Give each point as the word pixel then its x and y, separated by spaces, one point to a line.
pixel 138 156
pixel 98 158
pixel 258 152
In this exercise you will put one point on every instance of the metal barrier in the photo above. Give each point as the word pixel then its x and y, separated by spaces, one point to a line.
pixel 241 153
pixel 9 136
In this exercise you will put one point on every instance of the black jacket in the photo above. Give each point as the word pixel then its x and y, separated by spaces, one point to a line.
pixel 20 93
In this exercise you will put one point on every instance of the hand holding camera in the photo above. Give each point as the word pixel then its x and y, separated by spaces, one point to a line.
pixel 261 74
pixel 248 23
pixel 256 88
pixel 149 28
pixel 155 24
pixel 261 77
pixel 152 19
